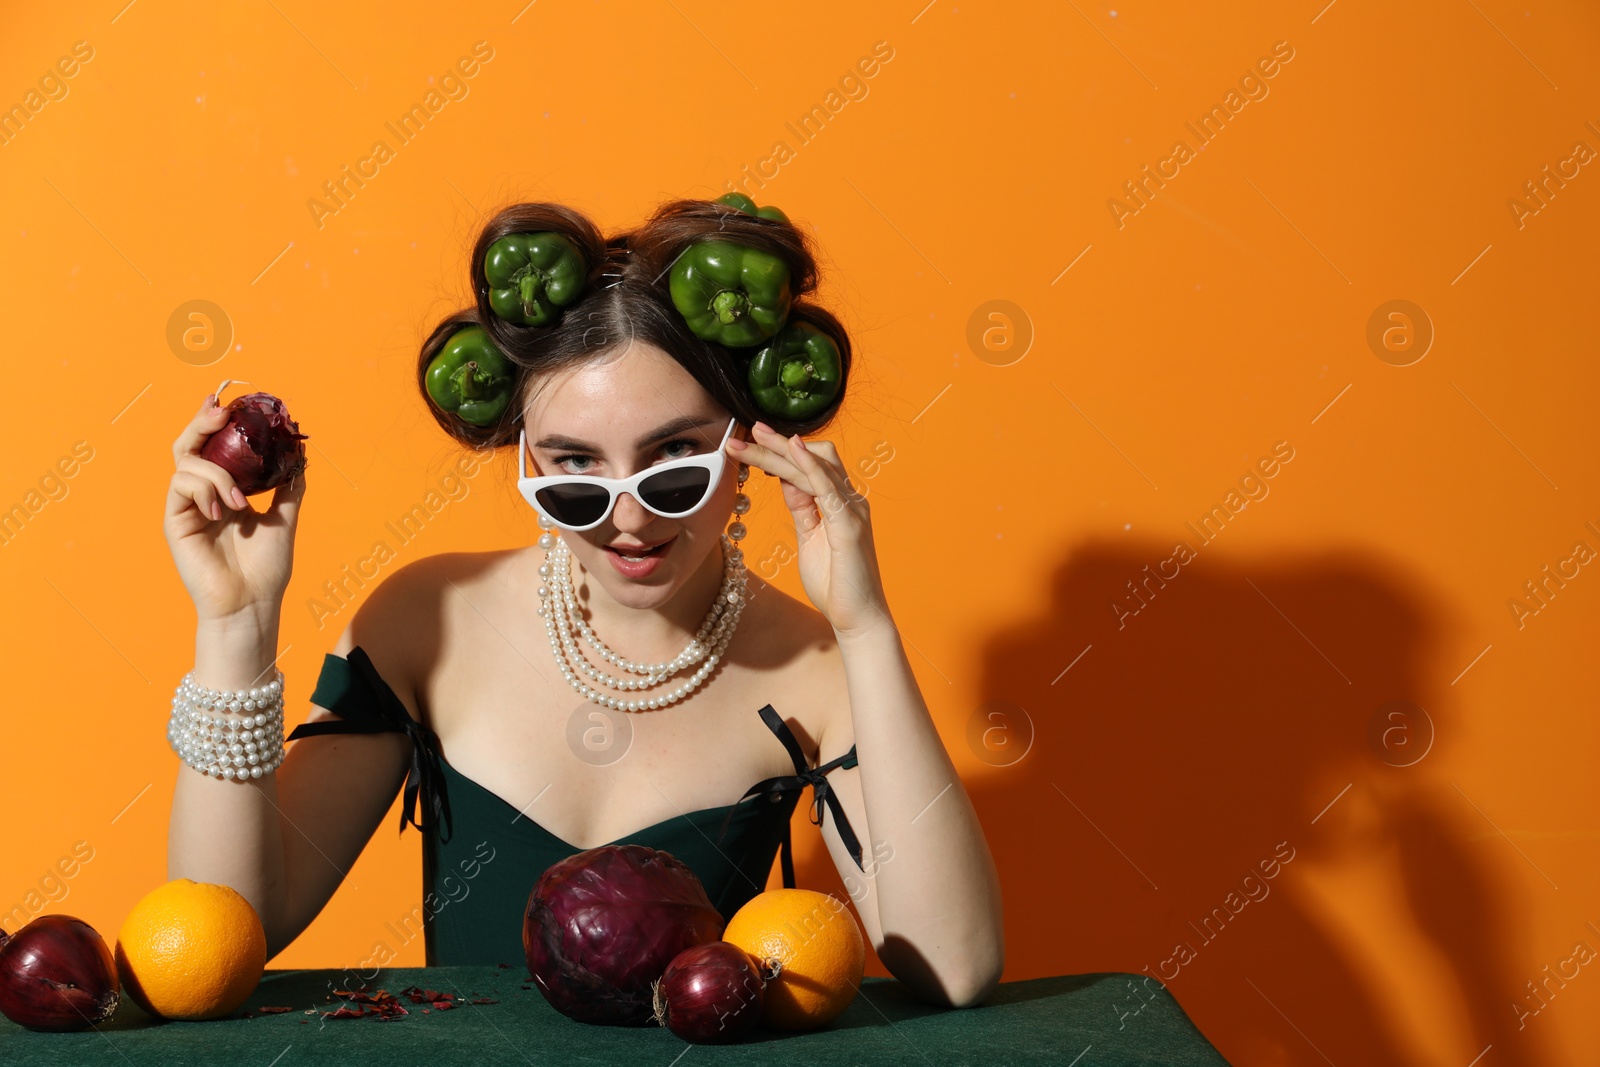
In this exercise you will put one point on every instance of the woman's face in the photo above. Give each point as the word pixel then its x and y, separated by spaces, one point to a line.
pixel 614 416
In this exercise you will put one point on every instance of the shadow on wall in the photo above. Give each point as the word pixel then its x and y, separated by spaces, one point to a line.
pixel 1162 821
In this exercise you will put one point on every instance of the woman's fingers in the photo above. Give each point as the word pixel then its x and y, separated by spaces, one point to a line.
pixel 814 469
pixel 833 468
pixel 834 496
pixel 770 451
pixel 287 497
pixel 802 505
pixel 227 489
pixel 210 418
pixel 188 487
pixel 198 481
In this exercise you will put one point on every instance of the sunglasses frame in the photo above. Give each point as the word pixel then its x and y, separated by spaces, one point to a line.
pixel 715 462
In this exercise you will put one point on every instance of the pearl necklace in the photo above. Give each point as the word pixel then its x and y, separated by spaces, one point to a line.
pixel 708 645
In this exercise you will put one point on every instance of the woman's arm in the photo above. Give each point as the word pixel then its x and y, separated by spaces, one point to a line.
pixel 929 894
pixel 287 840
pixel 932 897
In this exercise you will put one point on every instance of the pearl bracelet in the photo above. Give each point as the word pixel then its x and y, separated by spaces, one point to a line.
pixel 228 734
pixel 232 699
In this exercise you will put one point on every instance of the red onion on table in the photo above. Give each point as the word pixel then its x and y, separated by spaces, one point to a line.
pixel 57 973
pixel 602 925
pixel 259 445
pixel 710 993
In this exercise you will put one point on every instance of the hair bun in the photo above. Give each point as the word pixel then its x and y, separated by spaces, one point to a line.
pixel 581 294
pixel 797 378
pixel 678 224
pixel 468 382
pixel 529 263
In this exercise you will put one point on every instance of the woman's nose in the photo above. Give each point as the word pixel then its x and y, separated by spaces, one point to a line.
pixel 629 515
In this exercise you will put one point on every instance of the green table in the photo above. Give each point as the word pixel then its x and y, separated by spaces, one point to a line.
pixel 1071 1021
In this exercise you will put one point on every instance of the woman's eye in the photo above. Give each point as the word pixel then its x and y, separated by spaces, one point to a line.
pixel 684 445
pixel 677 449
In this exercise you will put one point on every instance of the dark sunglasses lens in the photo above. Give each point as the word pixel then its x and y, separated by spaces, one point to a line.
pixel 574 504
pixel 676 491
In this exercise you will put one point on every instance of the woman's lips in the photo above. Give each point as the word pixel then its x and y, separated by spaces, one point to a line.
pixel 628 551
pixel 641 568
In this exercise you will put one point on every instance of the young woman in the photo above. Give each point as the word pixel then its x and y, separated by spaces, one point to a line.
pixel 623 680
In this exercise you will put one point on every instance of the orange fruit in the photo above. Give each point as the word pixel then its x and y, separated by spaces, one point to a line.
pixel 817 944
pixel 191 950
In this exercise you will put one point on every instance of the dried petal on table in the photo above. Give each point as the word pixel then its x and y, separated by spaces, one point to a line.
pixel 344 1011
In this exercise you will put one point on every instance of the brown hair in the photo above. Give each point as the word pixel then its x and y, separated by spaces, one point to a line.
pixel 625 298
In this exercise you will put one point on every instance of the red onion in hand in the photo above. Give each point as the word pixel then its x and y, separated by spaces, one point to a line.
pixel 259 445
pixel 710 993
pixel 57 973
pixel 603 924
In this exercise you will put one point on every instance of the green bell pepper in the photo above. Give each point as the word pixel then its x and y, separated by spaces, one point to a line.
pixel 532 274
pixel 731 293
pixel 748 206
pixel 470 377
pixel 797 375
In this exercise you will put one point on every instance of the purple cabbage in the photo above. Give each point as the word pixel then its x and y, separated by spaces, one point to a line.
pixel 601 927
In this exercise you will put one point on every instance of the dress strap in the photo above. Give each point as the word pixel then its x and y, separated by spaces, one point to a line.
pixel 821 792
pixel 352 689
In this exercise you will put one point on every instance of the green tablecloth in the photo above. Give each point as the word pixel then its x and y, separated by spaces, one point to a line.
pixel 1092 1020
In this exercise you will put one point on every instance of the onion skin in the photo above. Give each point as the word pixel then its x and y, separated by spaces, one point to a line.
pixel 602 925
pixel 57 973
pixel 710 994
pixel 259 445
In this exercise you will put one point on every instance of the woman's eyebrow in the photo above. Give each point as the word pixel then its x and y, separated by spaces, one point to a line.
pixel 660 433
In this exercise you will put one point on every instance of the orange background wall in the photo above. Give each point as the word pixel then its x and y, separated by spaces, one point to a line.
pixel 1441 859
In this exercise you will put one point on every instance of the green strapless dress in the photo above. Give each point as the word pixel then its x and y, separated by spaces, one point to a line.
pixel 481 857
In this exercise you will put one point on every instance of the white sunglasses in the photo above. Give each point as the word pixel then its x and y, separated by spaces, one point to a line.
pixel 577 502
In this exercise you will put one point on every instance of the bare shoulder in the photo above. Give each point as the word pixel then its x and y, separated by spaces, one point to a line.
pixel 800 648
pixel 402 623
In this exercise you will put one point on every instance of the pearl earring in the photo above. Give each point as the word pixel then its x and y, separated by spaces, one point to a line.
pixel 741 506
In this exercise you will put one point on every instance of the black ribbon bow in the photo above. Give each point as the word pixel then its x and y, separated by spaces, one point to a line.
pixel 425 775
pixel 822 792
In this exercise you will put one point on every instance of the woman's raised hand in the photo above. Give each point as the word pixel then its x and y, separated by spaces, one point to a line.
pixel 838 560
pixel 233 559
